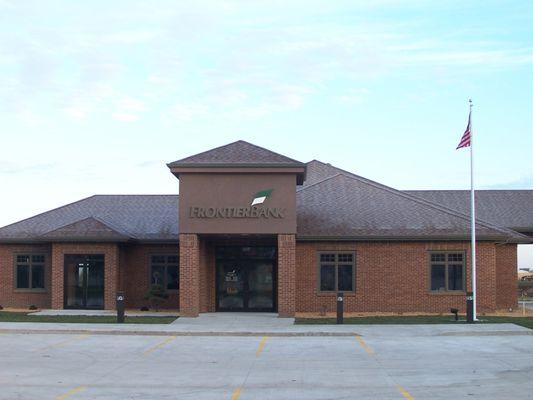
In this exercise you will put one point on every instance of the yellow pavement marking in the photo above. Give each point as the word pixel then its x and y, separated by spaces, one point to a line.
pixel 71 392
pixel 64 342
pixel 151 349
pixel 261 346
pixel 405 393
pixel 236 394
pixel 367 348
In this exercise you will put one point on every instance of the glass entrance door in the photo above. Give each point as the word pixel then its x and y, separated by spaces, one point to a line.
pixel 245 282
pixel 84 281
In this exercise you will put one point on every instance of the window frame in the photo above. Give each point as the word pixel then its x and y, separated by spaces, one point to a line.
pixel 165 264
pixel 447 263
pixel 336 264
pixel 30 271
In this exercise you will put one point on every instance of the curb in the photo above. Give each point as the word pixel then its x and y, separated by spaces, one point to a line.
pixel 174 333
pixel 488 333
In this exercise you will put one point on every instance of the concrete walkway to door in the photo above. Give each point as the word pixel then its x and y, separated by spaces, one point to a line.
pixel 236 322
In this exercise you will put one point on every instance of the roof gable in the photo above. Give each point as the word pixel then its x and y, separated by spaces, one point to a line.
pixel 239 153
pixel 86 229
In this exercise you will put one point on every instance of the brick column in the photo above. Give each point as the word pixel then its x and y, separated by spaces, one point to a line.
pixel 58 279
pixel 111 276
pixel 189 275
pixel 286 275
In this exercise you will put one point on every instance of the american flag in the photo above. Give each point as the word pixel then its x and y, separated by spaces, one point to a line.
pixel 465 139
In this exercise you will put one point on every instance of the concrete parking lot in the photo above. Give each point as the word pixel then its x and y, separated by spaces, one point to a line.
pixel 418 366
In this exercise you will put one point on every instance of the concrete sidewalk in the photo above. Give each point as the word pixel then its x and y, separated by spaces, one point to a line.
pixel 260 324
pixel 105 313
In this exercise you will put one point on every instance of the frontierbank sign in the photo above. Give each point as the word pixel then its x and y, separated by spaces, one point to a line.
pixel 236 212
pixel 251 211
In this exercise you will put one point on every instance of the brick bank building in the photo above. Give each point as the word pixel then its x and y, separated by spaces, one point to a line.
pixel 253 230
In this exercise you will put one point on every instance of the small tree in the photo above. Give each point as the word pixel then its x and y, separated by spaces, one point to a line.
pixel 156 296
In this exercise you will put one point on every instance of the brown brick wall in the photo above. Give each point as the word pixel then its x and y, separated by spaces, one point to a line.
pixel 111 267
pixel 392 277
pixel 135 273
pixel 287 275
pixel 207 277
pixel 189 275
pixel 506 284
pixel 23 298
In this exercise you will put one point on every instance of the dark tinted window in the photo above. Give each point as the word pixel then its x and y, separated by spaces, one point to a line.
pixel 327 278
pixel 345 278
pixel 29 271
pixel 37 277
pixel 23 276
pixel 158 275
pixel 164 271
pixel 455 277
pixel 172 277
pixel 438 278
pixel 447 271
pixel 337 271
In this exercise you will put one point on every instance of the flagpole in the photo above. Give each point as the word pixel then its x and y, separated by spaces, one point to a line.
pixel 473 217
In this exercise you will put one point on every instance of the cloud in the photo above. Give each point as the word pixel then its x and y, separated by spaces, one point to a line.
pixel 128 109
pixel 525 182
pixel 19 168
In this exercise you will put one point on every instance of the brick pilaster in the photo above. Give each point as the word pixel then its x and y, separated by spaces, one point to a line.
pixel 189 275
pixel 286 275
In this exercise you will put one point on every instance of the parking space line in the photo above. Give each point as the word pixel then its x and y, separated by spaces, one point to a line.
pixel 64 342
pixel 236 394
pixel 405 393
pixel 71 392
pixel 363 344
pixel 162 343
pixel 261 346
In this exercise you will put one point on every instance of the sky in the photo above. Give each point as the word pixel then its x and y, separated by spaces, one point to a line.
pixel 96 97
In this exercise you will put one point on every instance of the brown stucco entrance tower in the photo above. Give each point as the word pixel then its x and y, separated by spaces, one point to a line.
pixel 237 196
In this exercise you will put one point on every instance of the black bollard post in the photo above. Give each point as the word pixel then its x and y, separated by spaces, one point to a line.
pixel 120 307
pixel 470 307
pixel 340 308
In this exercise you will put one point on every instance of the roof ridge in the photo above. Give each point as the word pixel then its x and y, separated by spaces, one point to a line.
pixel 48 211
pixel 288 159
pixel 138 194
pixel 467 190
pixel 205 151
pixel 424 202
pixel 316 183
pixel 274 152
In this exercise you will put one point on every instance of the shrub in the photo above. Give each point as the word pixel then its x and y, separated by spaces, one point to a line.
pixel 156 296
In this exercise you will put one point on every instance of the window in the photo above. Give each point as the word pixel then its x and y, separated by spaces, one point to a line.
pixel 164 270
pixel 447 271
pixel 336 272
pixel 29 271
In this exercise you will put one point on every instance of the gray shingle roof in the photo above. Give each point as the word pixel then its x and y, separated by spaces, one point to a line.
pixel 142 217
pixel 353 207
pixel 238 153
pixel 510 208
pixel 332 203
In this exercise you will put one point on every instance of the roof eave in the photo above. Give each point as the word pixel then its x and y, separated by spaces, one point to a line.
pixel 410 238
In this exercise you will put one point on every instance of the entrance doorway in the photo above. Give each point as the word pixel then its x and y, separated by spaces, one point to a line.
pixel 84 281
pixel 246 279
